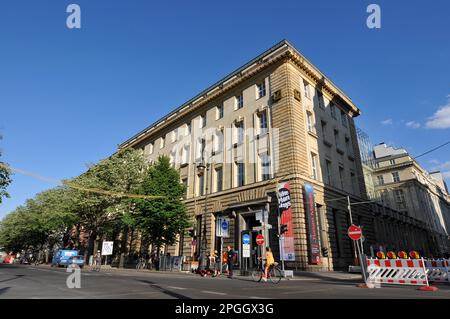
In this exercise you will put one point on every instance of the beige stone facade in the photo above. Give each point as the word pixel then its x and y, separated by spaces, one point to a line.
pixel 300 129
pixel 402 184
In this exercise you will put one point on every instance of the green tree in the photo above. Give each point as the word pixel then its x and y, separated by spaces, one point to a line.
pixel 162 219
pixel 38 223
pixel 99 212
pixel 5 178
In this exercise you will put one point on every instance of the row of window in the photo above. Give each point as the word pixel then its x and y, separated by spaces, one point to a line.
pixel 399 198
pixel 217 139
pixel 238 177
pixel 311 125
pixel 239 103
pixel 391 162
pixel 395 178
pixel 328 176
pixel 321 102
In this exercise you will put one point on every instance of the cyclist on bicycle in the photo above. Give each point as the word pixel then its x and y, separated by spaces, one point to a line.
pixel 269 262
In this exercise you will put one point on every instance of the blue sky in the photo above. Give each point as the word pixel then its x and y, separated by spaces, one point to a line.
pixel 68 97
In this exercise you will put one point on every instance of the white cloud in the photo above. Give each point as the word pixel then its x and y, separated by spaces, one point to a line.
pixel 440 119
pixel 445 166
pixel 446 174
pixel 387 122
pixel 434 161
pixel 412 124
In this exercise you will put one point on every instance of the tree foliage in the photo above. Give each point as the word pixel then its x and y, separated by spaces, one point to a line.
pixel 38 221
pixel 121 173
pixel 5 178
pixel 162 219
pixel 50 215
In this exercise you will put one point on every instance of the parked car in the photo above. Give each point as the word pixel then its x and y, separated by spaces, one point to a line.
pixel 77 260
pixel 61 257
pixel 9 259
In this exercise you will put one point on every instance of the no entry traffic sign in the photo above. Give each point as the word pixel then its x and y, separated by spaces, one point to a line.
pixel 260 239
pixel 354 232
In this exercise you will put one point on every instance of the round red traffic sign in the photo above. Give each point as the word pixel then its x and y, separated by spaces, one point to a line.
pixel 354 232
pixel 260 239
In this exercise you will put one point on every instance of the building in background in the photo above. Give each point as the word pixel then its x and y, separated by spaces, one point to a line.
pixel 403 185
pixel 395 228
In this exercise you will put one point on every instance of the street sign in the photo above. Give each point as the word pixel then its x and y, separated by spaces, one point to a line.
pixel 246 250
pixel 266 226
pixel 246 239
pixel 107 248
pixel 222 227
pixel 260 239
pixel 259 215
pixel 354 232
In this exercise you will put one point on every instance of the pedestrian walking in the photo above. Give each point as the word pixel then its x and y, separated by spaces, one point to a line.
pixel 230 258
pixel 217 269
pixel 97 260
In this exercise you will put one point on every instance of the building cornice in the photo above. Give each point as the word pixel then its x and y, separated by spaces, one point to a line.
pixel 283 51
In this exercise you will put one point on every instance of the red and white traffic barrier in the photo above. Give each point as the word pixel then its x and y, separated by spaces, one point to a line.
pixel 438 270
pixel 398 272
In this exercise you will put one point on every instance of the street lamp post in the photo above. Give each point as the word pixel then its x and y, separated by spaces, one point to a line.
pixel 204 168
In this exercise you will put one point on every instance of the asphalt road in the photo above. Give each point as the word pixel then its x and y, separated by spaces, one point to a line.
pixel 31 282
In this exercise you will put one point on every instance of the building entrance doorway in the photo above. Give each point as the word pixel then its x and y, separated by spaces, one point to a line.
pixel 248 221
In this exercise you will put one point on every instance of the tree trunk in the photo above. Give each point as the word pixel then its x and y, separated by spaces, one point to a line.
pixel 131 247
pixel 77 236
pixel 90 249
pixel 123 247
pixel 96 244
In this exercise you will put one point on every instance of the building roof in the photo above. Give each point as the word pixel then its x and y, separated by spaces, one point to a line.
pixel 276 47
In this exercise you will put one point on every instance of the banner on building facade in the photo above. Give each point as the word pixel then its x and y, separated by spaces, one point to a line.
pixel 310 211
pixel 285 210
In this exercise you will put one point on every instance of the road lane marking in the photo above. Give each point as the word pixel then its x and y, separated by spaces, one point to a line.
pixel 179 288
pixel 213 292
pixel 258 298
pixel 126 294
pixel 306 291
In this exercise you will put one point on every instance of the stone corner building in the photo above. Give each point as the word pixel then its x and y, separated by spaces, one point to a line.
pixel 303 133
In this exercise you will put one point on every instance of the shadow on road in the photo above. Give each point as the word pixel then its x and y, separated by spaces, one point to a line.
pixel 13 278
pixel 4 290
pixel 165 291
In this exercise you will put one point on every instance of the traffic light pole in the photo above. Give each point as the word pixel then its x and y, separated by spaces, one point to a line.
pixel 281 242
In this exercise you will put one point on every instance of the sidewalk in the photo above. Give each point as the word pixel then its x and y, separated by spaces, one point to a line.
pixel 298 275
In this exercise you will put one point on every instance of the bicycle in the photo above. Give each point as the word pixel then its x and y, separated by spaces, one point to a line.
pixel 35 262
pixel 96 267
pixel 142 264
pixel 273 273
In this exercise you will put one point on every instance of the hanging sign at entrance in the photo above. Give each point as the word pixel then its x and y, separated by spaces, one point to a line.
pixel 285 211
pixel 310 207
pixel 223 227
